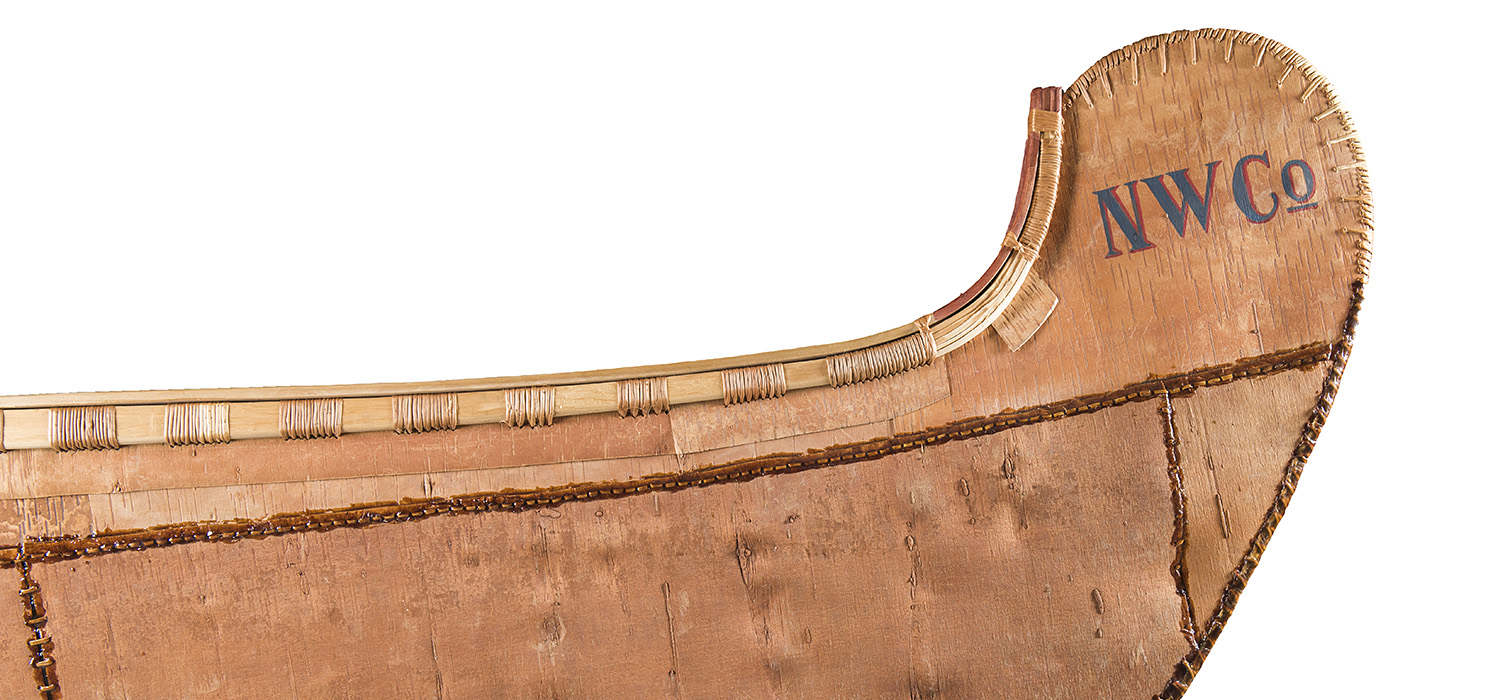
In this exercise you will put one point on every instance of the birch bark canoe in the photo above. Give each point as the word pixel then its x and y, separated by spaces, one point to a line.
pixel 1055 486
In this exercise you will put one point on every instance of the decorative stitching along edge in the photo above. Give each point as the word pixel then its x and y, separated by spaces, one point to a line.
pixel 740 470
pixel 1293 61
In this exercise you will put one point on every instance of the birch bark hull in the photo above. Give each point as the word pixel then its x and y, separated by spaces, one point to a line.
pixel 1072 519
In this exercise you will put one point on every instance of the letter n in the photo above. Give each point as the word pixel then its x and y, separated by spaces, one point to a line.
pixel 1192 200
pixel 1134 230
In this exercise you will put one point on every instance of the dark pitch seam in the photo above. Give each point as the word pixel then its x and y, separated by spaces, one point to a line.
pixel 1179 519
pixel 39 644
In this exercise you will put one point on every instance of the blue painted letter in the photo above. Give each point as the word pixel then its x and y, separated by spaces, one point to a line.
pixel 1135 231
pixel 1243 196
pixel 1307 180
pixel 1192 200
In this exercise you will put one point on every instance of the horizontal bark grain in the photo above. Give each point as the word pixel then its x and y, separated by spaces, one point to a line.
pixel 932 572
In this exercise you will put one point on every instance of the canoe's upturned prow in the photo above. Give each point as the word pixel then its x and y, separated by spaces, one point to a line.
pixel 1068 506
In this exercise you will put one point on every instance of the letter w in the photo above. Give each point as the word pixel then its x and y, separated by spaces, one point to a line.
pixel 1134 230
pixel 1199 204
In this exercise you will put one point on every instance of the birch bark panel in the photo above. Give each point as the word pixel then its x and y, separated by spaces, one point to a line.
pixel 932 571
pixel 1032 525
pixel 1235 442
pixel 1238 289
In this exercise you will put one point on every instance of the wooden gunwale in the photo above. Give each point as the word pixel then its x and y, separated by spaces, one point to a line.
pixel 24 419
pixel 1025 190
pixel 283 393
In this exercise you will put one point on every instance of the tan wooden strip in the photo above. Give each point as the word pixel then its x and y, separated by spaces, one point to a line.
pixel 361 413
pixel 825 416
pixel 141 425
pixel 707 426
pixel 26 429
pixel 159 398
pixel 1048 173
pixel 974 319
pixel 146 424
pixel 583 399
pixel 693 388
pixel 366 415
pixel 806 375
pixel 249 421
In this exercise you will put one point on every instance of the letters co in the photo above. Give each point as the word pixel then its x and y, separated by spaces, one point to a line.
pixel 1255 195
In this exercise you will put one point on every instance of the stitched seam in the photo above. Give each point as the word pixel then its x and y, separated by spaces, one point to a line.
pixel 39 643
pixel 1179 518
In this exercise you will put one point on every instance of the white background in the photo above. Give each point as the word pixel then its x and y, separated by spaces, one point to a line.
pixel 196 195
